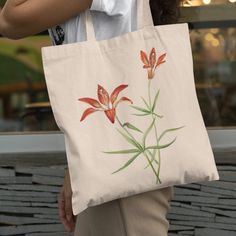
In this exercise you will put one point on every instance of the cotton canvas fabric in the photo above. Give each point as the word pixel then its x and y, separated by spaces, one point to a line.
pixel 129 111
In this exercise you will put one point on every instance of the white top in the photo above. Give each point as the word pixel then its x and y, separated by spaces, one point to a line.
pixel 110 18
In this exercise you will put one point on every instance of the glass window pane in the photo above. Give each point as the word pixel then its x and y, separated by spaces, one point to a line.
pixel 214 54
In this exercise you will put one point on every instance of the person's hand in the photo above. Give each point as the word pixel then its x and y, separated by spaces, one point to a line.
pixel 65 204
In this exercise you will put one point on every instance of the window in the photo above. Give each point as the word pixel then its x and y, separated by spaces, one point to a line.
pixel 213 39
pixel 214 54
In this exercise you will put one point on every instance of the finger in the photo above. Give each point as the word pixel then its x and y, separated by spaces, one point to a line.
pixel 68 211
pixel 62 213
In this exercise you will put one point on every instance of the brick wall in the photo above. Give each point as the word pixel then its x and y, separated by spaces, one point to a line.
pixel 29 185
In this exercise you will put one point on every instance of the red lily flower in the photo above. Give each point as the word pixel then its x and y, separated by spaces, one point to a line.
pixel 105 102
pixel 151 63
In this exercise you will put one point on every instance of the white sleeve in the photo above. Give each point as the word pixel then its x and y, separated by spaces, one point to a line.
pixel 112 7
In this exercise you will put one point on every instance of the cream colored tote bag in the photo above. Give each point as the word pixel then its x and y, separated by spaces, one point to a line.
pixel 129 112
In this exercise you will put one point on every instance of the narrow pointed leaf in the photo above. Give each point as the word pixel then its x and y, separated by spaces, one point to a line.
pixel 161 146
pixel 147 131
pixel 130 126
pixel 128 162
pixel 155 100
pixel 140 109
pixel 153 157
pixel 169 130
pixel 159 116
pixel 130 140
pixel 122 151
pixel 145 114
pixel 146 103
pixel 150 163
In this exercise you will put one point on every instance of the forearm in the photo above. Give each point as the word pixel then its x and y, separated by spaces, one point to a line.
pixel 21 18
pixel 7 28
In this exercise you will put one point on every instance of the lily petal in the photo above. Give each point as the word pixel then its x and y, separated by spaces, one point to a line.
pixel 91 101
pixel 123 99
pixel 160 60
pixel 111 113
pixel 144 58
pixel 103 95
pixel 152 57
pixel 116 92
pixel 87 112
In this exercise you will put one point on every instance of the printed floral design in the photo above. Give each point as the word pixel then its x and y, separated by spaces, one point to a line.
pixel 139 146
pixel 151 64
pixel 105 100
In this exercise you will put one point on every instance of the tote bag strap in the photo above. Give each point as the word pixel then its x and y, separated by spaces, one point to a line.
pixel 144 15
pixel 144 18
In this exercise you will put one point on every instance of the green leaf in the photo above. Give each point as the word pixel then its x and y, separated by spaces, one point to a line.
pixel 130 126
pixel 146 114
pixel 146 103
pixel 169 130
pixel 155 100
pixel 159 116
pixel 161 146
pixel 122 151
pixel 130 140
pixel 147 131
pixel 128 162
pixel 140 109
pixel 153 157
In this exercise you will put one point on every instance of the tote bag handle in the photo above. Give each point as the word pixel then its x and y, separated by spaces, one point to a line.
pixel 144 18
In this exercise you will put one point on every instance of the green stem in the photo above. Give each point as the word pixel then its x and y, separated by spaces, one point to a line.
pixel 150 163
pixel 159 163
pixel 150 105
pixel 137 141
pixel 155 128
pixel 159 153
pixel 149 95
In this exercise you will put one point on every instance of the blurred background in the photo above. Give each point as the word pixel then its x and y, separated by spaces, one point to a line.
pixel 24 103
pixel 32 150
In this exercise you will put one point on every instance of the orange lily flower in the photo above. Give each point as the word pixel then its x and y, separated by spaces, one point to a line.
pixel 105 102
pixel 151 63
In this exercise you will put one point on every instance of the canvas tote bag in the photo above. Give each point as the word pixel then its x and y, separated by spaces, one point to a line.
pixel 128 109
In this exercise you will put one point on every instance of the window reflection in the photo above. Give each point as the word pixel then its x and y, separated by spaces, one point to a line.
pixel 214 54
